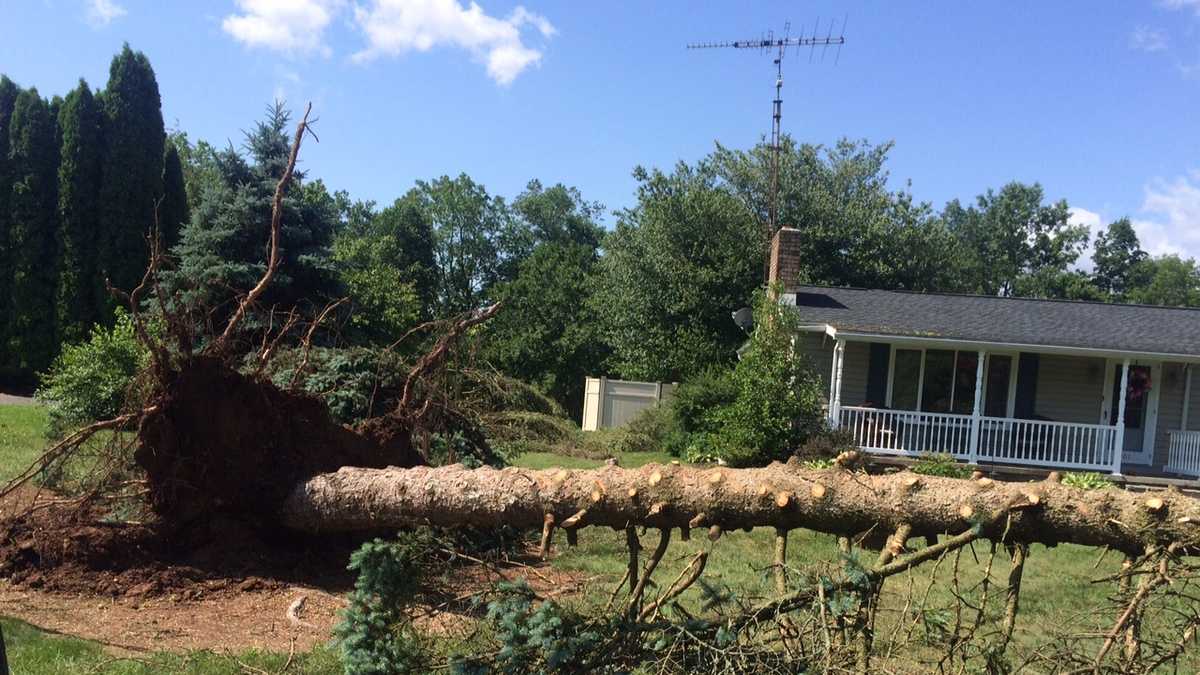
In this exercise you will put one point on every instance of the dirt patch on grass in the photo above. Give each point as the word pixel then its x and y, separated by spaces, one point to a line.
pixel 234 621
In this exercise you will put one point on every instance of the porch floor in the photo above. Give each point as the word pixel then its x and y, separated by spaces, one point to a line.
pixel 1139 479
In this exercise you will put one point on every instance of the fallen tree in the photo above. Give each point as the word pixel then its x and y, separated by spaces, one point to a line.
pixel 782 496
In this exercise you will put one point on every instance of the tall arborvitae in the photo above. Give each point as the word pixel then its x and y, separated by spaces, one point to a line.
pixel 8 97
pixel 132 169
pixel 173 209
pixel 33 165
pixel 78 207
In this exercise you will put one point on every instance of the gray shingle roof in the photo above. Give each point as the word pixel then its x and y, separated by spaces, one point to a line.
pixel 978 318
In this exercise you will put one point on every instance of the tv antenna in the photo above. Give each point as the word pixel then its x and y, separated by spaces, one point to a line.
pixel 770 43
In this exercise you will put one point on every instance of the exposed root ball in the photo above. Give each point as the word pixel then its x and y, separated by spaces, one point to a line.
pixel 222 441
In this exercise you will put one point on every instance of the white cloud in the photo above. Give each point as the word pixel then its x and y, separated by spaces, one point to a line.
pixel 1147 39
pixel 1174 222
pixel 394 27
pixel 289 26
pixel 100 13
pixel 1193 5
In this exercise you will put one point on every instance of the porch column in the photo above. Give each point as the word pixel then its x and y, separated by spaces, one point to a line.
pixel 1119 442
pixel 977 411
pixel 835 406
pixel 1187 397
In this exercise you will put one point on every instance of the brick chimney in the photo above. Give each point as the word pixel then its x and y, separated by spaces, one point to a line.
pixel 785 258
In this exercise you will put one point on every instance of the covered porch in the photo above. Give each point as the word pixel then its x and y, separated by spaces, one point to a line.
pixel 1007 404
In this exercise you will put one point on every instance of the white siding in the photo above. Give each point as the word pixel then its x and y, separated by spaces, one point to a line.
pixel 1069 388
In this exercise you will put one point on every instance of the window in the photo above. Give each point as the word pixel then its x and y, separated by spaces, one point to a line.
pixel 937 380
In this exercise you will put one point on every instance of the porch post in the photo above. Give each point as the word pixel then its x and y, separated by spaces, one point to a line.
pixel 835 407
pixel 1187 396
pixel 833 371
pixel 1119 443
pixel 977 411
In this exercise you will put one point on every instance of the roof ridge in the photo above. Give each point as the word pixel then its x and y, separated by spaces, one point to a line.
pixel 1000 297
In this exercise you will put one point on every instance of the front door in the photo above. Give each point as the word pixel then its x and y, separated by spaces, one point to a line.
pixel 1141 407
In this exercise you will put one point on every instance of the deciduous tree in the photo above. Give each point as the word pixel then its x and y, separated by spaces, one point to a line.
pixel 677 264
pixel 1011 234
pixel 1118 258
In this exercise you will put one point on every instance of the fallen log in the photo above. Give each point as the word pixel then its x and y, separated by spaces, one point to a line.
pixel 834 501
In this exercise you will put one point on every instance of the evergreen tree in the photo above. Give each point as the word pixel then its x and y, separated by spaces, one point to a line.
pixel 8 97
pixel 173 209
pixel 223 249
pixel 78 206
pixel 33 158
pixel 132 171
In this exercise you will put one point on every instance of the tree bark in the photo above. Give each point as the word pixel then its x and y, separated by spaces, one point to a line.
pixel 835 501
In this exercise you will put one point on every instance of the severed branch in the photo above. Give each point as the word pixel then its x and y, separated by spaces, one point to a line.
pixel 222 341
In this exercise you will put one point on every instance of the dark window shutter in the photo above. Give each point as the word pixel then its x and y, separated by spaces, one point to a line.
pixel 1027 372
pixel 877 374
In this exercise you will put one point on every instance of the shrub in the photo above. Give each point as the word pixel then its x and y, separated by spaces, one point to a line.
pixel 777 403
pixel 542 639
pixel 1086 480
pixel 695 398
pixel 940 464
pixel 92 380
pixel 374 635
pixel 826 444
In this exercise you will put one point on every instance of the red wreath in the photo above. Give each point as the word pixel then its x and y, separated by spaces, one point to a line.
pixel 1139 383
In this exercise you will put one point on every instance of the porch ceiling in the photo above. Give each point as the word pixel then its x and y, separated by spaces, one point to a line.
pixel 1003 323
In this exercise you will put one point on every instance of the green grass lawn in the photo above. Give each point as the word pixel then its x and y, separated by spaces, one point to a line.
pixel 22 437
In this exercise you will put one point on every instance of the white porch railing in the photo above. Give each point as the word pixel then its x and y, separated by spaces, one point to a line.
pixel 1059 444
pixel 1000 440
pixel 906 432
pixel 1183 455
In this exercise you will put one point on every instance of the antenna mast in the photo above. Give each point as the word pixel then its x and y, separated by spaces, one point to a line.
pixel 780 45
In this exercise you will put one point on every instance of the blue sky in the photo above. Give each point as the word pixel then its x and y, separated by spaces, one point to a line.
pixel 1099 101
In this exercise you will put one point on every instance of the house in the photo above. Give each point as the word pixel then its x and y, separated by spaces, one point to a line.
pixel 996 380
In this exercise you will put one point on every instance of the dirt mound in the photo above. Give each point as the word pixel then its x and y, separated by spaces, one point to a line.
pixel 67 550
pixel 223 442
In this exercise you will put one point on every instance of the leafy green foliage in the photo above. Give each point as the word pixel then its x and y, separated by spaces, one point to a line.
pixel 940 464
pixel 374 635
pixel 90 380
pixel 1117 259
pixel 33 202
pixel 385 261
pixel 1170 280
pixel 1011 235
pixel 543 334
pixel 1086 480
pixel 857 232
pixel 778 400
pixel 677 263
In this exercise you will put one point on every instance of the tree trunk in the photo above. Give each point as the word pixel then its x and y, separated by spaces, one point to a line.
pixel 835 501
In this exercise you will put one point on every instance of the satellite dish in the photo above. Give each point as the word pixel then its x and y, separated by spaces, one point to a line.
pixel 744 318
